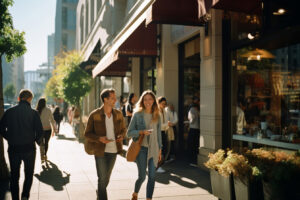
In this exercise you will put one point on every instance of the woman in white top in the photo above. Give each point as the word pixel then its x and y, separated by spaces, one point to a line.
pixel 162 103
pixel 172 119
pixel 47 119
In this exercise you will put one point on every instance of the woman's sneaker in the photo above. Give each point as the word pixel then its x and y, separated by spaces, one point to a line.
pixel 160 170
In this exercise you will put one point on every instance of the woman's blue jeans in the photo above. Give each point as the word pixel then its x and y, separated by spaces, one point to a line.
pixel 141 162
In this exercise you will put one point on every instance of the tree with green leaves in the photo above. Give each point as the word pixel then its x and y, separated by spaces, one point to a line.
pixel 12 45
pixel 52 87
pixel 69 81
pixel 9 92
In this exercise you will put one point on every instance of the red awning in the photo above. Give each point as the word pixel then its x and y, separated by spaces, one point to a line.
pixel 141 42
pixel 251 6
pixel 181 12
pixel 117 68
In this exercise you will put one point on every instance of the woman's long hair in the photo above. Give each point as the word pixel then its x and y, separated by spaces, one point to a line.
pixel 56 110
pixel 41 105
pixel 141 107
pixel 130 97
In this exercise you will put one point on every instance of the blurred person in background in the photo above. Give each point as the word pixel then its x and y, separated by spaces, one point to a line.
pixel 194 132
pixel 132 99
pixel 58 117
pixel 172 119
pixel 47 120
pixel 162 103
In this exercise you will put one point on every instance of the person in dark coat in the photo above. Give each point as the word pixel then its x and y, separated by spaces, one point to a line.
pixel 57 115
pixel 21 126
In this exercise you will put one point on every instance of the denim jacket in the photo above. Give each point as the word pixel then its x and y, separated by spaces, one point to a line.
pixel 137 124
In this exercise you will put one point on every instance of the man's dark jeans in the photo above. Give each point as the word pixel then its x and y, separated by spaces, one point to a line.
pixel 15 159
pixel 193 144
pixel 104 166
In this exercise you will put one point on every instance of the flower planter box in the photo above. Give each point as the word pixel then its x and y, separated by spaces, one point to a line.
pixel 248 190
pixel 221 186
pixel 267 190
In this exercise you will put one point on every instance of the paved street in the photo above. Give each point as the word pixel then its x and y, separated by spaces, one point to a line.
pixel 71 174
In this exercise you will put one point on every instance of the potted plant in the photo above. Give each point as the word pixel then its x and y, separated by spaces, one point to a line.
pixel 232 176
pixel 246 177
pixel 222 185
pixel 280 173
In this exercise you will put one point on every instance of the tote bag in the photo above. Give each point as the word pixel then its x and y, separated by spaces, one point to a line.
pixel 134 149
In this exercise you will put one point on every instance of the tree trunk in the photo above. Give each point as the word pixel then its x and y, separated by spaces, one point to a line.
pixel 3 166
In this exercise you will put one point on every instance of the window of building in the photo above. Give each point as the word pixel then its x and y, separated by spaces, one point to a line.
pixel 148 74
pixel 99 4
pixel 81 25
pixel 64 41
pixel 64 18
pixel 92 13
pixel 86 18
pixel 267 94
pixel 264 78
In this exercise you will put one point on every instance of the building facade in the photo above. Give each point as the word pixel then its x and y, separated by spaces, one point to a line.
pixel 14 73
pixel 51 50
pixel 65 25
pixel 33 81
pixel 180 49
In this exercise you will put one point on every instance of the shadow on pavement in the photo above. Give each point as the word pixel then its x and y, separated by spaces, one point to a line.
pixel 4 189
pixel 51 175
pixel 183 174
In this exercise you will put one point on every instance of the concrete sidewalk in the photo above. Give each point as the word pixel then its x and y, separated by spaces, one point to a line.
pixel 71 174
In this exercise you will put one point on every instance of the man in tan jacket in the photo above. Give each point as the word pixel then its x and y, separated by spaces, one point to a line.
pixel 103 138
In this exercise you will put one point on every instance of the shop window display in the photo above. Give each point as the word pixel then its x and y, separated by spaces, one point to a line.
pixel 268 93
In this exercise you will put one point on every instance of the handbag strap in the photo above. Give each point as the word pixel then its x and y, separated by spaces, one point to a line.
pixel 141 139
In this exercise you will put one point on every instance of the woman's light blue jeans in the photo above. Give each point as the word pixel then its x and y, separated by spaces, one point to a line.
pixel 141 162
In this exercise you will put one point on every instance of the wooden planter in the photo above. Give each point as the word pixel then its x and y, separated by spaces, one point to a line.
pixel 221 186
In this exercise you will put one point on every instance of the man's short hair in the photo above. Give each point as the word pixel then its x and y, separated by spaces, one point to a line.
pixel 25 94
pixel 195 98
pixel 161 99
pixel 105 93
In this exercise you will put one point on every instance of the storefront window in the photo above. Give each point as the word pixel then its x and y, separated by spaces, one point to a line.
pixel 191 83
pixel 149 74
pixel 267 88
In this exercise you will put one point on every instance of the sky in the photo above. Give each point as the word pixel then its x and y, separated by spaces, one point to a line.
pixel 37 19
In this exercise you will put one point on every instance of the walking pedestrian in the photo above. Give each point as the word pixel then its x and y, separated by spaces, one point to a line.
pixel 172 119
pixel 104 134
pixel 21 126
pixel 70 114
pixel 132 99
pixel 162 103
pixel 47 120
pixel 194 132
pixel 58 116
pixel 145 121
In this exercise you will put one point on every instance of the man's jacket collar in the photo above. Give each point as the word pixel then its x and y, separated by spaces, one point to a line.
pixel 24 102
pixel 101 110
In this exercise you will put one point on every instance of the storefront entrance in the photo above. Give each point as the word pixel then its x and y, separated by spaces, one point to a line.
pixel 189 86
